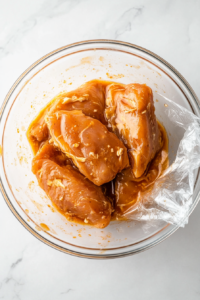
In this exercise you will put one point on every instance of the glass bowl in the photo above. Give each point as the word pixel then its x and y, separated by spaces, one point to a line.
pixel 65 69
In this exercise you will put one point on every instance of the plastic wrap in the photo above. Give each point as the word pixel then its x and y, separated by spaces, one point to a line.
pixel 172 194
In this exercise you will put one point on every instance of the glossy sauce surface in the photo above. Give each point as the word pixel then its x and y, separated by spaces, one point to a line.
pixel 97 153
pixel 96 148
pixel 69 190
pixel 88 98
pixel 131 115
pixel 129 190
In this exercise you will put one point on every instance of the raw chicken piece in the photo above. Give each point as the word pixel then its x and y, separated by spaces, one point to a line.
pixel 49 151
pixel 89 98
pixel 69 190
pixel 130 190
pixel 130 114
pixel 97 153
pixel 38 132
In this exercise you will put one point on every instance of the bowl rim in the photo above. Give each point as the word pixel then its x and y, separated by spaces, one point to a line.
pixel 2 109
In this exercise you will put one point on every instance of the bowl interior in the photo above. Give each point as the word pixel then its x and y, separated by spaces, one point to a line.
pixel 63 71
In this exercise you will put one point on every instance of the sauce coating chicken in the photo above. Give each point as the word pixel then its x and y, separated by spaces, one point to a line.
pixel 93 132
pixel 129 190
pixel 88 98
pixel 130 114
pixel 49 151
pixel 97 153
pixel 69 190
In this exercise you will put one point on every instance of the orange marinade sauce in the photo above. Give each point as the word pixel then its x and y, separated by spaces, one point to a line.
pixel 130 190
pixel 93 107
pixel 96 90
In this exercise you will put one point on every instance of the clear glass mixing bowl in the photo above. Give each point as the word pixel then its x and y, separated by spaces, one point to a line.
pixel 65 69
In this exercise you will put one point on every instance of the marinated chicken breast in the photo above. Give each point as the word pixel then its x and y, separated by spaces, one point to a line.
pixel 88 98
pixel 130 114
pixel 49 151
pixel 96 152
pixel 130 190
pixel 69 190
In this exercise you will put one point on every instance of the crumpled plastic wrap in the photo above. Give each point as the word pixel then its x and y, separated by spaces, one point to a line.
pixel 171 198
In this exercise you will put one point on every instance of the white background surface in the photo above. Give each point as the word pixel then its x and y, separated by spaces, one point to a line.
pixel 28 268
